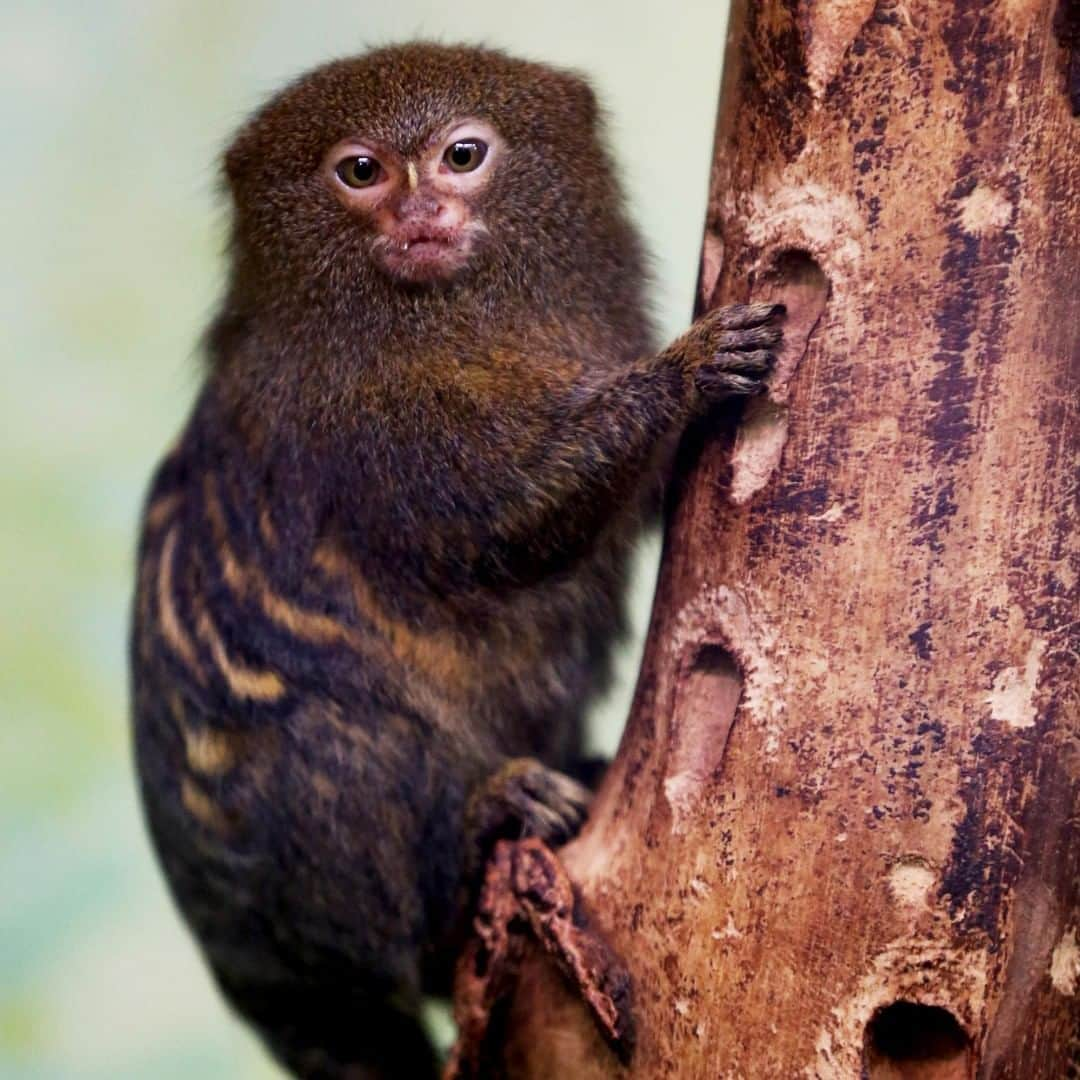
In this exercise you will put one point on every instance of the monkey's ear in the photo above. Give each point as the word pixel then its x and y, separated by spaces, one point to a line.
pixel 582 97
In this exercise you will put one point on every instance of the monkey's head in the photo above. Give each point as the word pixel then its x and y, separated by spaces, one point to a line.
pixel 420 165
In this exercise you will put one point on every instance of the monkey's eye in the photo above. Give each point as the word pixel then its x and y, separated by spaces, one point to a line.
pixel 466 155
pixel 359 172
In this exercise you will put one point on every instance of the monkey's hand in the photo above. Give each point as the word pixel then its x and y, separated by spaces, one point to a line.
pixel 729 351
pixel 525 798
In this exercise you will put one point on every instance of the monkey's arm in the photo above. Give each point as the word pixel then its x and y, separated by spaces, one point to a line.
pixel 602 447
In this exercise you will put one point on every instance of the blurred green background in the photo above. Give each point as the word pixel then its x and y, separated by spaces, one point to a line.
pixel 113 115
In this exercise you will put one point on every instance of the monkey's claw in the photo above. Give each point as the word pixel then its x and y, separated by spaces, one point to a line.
pixel 745 316
pixel 717 385
pixel 526 798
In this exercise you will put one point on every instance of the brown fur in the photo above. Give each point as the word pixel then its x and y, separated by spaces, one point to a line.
pixel 382 571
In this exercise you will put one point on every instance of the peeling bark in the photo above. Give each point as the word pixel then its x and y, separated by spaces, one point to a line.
pixel 840 836
pixel 527 898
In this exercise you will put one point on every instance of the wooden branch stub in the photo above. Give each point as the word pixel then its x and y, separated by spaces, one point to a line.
pixel 528 900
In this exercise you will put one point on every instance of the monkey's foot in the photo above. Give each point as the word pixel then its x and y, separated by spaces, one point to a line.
pixel 528 897
pixel 735 349
pixel 526 798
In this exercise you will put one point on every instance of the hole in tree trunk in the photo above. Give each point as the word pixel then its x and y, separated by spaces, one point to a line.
pixel 714 660
pixel 796 280
pixel 905 1041
pixel 704 710
pixel 795 266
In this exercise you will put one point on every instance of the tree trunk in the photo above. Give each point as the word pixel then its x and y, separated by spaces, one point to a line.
pixel 839 838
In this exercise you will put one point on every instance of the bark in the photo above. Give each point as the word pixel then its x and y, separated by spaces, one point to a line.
pixel 840 836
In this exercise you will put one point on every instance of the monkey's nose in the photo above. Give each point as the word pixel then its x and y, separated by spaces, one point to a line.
pixel 420 204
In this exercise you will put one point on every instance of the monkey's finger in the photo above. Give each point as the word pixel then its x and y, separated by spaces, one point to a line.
pixel 755 337
pixel 746 363
pixel 718 385
pixel 557 790
pixel 745 316
pixel 554 805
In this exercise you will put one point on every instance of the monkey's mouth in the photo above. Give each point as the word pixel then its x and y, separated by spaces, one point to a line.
pixel 424 253
pixel 424 241
pixel 426 247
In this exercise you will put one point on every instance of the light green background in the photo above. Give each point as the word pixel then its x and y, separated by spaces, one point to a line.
pixel 110 233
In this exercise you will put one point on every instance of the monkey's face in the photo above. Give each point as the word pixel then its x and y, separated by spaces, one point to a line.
pixel 393 174
pixel 421 210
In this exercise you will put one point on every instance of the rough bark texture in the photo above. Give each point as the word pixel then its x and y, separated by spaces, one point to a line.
pixel 840 837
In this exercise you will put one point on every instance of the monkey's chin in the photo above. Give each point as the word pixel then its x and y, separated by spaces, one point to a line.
pixel 425 262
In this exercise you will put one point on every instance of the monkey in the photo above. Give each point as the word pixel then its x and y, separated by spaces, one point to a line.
pixel 381 571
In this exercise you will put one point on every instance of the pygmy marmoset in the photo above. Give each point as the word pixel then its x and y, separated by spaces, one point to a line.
pixel 381 571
